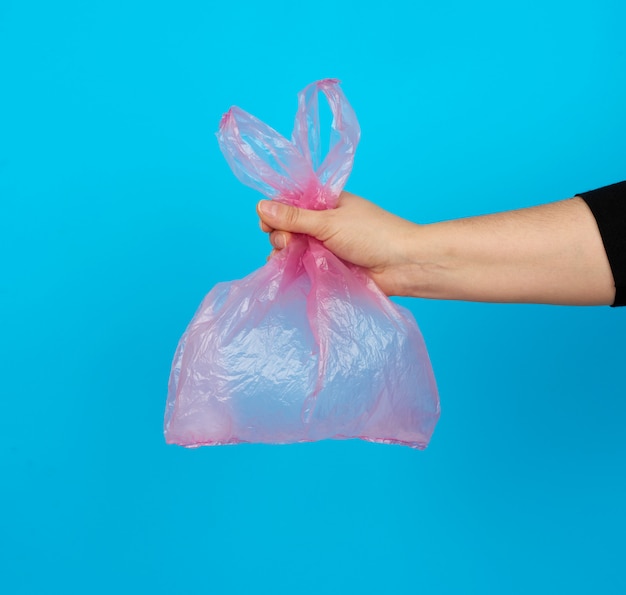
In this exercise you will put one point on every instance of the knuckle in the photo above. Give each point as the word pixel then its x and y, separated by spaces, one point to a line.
pixel 291 217
pixel 277 240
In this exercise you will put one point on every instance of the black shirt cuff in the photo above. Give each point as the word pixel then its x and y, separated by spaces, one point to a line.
pixel 608 205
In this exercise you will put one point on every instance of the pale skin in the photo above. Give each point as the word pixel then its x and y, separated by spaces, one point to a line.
pixel 548 254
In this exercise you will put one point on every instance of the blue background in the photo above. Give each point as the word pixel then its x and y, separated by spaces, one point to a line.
pixel 118 213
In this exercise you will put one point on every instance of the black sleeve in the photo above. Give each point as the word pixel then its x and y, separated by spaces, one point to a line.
pixel 608 206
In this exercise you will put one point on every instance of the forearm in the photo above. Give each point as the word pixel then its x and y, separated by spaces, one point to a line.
pixel 549 254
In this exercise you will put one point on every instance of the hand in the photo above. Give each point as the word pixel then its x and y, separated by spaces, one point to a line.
pixel 356 231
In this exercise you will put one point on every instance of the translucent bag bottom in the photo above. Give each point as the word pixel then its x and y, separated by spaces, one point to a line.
pixel 305 348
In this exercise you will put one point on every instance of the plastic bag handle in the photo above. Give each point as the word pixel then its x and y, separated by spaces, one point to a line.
pixel 290 171
pixel 261 157
pixel 334 170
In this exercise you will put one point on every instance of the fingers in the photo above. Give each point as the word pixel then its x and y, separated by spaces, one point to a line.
pixel 280 239
pixel 275 215
pixel 265 227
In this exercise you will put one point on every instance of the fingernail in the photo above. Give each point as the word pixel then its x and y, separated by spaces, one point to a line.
pixel 268 207
pixel 280 241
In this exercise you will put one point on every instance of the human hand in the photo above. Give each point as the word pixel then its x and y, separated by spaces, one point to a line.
pixel 356 231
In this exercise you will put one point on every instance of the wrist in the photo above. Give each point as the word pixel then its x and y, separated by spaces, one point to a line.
pixel 424 260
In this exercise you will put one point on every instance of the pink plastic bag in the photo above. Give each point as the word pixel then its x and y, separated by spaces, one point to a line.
pixel 306 347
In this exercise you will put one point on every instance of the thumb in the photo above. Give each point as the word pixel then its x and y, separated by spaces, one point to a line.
pixel 287 218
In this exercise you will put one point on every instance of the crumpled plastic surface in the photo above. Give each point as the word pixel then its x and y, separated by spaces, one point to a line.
pixel 306 347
